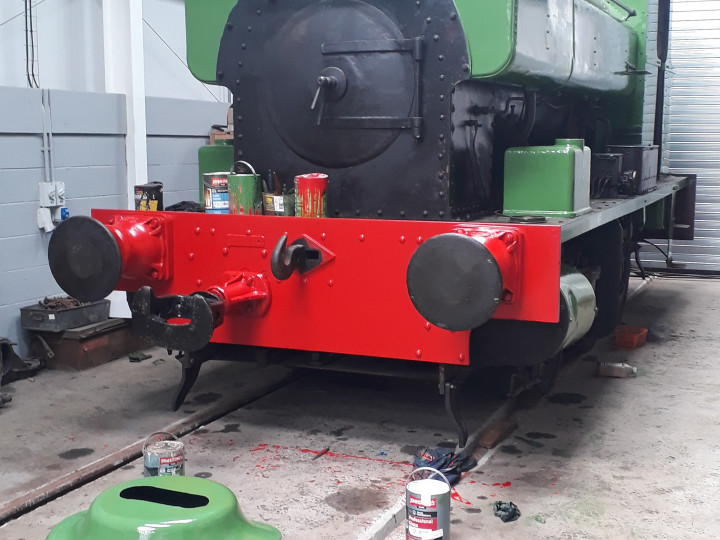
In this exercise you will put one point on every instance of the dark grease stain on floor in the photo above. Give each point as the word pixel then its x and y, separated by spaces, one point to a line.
pixel 202 430
pixel 446 444
pixel 208 397
pixel 567 398
pixel 510 449
pixel 482 497
pixel 472 510
pixel 534 444
pixel 357 501
pixel 455 521
pixel 539 435
pixel 203 474
pixel 229 428
pixel 339 432
pixel 76 453
pixel 411 450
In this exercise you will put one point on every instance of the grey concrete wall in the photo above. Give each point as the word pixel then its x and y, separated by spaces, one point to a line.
pixel 88 149
pixel 176 129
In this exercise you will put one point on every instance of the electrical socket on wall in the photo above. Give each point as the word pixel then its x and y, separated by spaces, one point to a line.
pixel 51 194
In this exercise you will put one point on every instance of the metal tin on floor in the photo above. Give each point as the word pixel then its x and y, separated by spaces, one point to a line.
pixel 427 506
pixel 163 455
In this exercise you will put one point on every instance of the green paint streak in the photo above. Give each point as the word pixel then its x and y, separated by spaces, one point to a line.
pixel 490 32
pixel 204 23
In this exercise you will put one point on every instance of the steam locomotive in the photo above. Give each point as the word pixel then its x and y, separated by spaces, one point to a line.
pixel 462 140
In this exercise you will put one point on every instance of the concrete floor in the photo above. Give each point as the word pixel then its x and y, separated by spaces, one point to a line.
pixel 597 458
pixel 616 458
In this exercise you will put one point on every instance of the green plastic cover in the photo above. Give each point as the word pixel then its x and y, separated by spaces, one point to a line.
pixel 164 508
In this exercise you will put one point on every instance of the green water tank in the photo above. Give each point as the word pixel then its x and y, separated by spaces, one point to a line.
pixel 214 158
pixel 550 181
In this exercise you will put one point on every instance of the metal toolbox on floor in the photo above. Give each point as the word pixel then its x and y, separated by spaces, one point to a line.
pixel 91 345
pixel 42 319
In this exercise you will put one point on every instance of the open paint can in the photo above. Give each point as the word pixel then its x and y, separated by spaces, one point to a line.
pixel 149 196
pixel 244 193
pixel 311 195
pixel 163 455
pixel 427 504
pixel 215 192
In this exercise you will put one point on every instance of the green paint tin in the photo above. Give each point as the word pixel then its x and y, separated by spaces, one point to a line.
pixel 244 193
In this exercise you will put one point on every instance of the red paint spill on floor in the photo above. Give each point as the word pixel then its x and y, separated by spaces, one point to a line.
pixel 349 456
pixel 506 484
pixel 260 447
pixel 455 496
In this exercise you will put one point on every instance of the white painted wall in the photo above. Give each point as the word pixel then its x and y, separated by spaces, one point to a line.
pixel 69 43
pixel 70 48
pixel 166 72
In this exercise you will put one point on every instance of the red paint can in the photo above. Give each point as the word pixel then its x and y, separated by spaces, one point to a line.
pixel 311 195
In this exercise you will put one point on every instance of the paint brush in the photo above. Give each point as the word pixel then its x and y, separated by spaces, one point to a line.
pixel 321 453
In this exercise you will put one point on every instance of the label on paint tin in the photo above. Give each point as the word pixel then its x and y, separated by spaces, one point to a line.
pixel 422 524
pixel 278 204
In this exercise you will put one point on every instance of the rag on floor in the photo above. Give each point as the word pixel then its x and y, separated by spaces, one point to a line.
pixel 446 461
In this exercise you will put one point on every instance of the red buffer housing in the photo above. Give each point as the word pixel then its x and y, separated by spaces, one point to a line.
pixel 347 290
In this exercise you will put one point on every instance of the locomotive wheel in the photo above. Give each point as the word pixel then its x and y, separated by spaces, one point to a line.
pixel 607 248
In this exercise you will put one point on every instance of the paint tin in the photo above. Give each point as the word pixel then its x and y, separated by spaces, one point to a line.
pixel 311 195
pixel 427 506
pixel 149 196
pixel 244 193
pixel 163 455
pixel 215 192
pixel 278 205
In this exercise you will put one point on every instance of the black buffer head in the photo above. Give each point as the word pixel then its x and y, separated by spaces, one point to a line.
pixel 84 258
pixel 454 282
